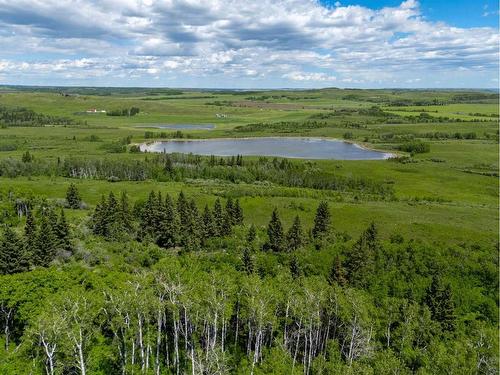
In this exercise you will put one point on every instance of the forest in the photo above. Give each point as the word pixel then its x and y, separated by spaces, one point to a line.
pixel 117 261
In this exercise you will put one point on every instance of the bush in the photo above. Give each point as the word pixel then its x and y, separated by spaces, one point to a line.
pixel 415 147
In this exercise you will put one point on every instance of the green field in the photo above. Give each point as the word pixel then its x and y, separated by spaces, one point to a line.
pixel 442 203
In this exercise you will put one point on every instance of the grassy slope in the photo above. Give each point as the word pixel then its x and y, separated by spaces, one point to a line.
pixel 438 201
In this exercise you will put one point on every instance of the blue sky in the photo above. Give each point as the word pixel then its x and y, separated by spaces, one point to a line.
pixel 242 44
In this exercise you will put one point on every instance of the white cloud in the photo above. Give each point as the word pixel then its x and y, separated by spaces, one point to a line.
pixel 269 42
pixel 301 76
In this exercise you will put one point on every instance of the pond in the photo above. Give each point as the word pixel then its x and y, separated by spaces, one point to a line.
pixel 305 148
pixel 179 126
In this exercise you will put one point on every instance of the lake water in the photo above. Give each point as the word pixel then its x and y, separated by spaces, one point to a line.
pixel 179 126
pixel 305 148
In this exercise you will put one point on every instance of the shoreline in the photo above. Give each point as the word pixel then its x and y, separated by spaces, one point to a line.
pixel 387 154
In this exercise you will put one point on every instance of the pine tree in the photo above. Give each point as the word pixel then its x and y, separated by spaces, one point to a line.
pixel 169 226
pixel 125 213
pixel 361 262
pixel 295 237
pixel 13 258
pixel 439 300
pixel 100 218
pixel 337 273
pixel 30 233
pixel 294 267
pixel 182 209
pixel 61 231
pixel 226 228
pixel 73 197
pixel 321 221
pixel 237 213
pixel 46 242
pixel 230 211
pixel 208 223
pixel 191 230
pixel 275 232
pixel 218 217
pixel 252 234
pixel 247 261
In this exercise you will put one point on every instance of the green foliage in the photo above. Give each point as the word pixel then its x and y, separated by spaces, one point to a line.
pixel 415 147
pixel 73 197
pixel 275 234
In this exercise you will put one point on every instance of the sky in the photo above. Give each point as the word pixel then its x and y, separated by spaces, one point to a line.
pixel 250 44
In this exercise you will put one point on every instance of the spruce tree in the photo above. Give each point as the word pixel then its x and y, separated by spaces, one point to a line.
pixel 13 258
pixel 294 267
pixel 252 234
pixel 73 197
pixel 337 273
pixel 230 211
pixel 295 237
pixel 169 226
pixel 182 209
pixel 237 213
pixel 208 223
pixel 100 218
pixel 361 262
pixel 30 234
pixel 46 242
pixel 125 213
pixel 61 231
pixel 322 220
pixel 247 261
pixel 275 232
pixel 218 217
pixel 439 300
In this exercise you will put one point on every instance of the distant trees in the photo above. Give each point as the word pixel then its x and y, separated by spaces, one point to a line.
pixel 73 197
pixel 132 111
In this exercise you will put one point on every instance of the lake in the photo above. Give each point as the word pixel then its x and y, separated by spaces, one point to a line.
pixel 179 126
pixel 304 148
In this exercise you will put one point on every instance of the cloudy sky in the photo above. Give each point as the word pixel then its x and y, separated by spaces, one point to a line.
pixel 250 44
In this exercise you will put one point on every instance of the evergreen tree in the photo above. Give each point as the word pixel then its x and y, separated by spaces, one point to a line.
pixel 322 220
pixel 61 231
pixel 361 262
pixel 247 261
pixel 237 213
pixel 30 234
pixel 73 197
pixel 294 267
pixel 337 273
pixel 125 213
pixel 230 211
pixel 13 258
pixel 208 223
pixel 100 218
pixel 169 225
pixel 252 234
pixel 218 217
pixel 295 237
pixel 46 242
pixel 439 300
pixel 275 232
pixel 226 225
pixel 190 238
pixel 183 209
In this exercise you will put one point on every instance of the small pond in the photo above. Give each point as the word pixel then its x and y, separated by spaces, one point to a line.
pixel 179 126
pixel 305 148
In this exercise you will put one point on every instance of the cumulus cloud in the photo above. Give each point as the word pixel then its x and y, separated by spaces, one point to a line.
pixel 233 43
